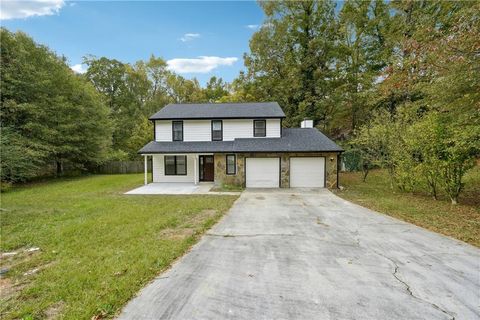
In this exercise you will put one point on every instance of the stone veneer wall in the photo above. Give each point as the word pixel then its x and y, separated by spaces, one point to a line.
pixel 239 178
pixel 221 176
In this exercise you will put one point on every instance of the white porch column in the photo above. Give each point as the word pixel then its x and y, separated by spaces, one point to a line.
pixel 195 168
pixel 146 169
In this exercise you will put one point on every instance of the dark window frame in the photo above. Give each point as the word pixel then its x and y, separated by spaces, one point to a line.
pixel 265 128
pixel 173 130
pixel 221 130
pixel 175 166
pixel 234 164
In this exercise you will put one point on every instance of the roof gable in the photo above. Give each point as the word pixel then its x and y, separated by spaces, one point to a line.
pixel 219 111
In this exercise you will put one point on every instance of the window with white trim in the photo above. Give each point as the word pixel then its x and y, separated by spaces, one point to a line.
pixel 177 130
pixel 231 164
pixel 259 128
pixel 175 165
pixel 217 130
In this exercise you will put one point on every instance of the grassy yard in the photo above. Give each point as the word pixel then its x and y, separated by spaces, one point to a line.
pixel 97 247
pixel 461 221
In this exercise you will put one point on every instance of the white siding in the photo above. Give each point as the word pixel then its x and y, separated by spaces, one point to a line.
pixel 197 130
pixel 163 130
pixel 273 128
pixel 159 170
pixel 201 130
pixel 237 128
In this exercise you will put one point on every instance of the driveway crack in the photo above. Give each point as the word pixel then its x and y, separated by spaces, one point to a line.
pixel 227 235
pixel 407 286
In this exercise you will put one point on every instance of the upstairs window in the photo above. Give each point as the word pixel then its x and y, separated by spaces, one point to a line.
pixel 177 130
pixel 217 130
pixel 175 165
pixel 259 128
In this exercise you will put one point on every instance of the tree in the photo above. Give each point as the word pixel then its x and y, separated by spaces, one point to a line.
pixel 21 159
pixel 242 89
pixel 215 89
pixel 362 53
pixel 140 136
pixel 124 88
pixel 377 141
pixel 47 111
pixel 181 90
pixel 292 58
pixel 421 145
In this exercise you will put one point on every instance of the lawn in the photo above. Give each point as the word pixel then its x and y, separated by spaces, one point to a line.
pixel 97 247
pixel 460 221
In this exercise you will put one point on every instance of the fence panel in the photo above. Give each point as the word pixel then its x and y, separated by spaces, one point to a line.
pixel 115 167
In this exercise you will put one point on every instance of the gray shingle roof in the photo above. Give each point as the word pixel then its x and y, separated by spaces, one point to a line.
pixel 220 110
pixel 187 147
pixel 292 140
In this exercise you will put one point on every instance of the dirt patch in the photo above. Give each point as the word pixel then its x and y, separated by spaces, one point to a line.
pixel 188 227
pixel 9 288
pixel 54 311
pixel 176 233
pixel 202 216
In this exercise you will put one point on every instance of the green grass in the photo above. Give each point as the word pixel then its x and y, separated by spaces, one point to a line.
pixel 98 247
pixel 460 221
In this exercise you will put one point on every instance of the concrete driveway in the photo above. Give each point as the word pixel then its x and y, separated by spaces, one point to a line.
pixel 299 254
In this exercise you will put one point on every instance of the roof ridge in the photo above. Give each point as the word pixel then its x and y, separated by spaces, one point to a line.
pixel 222 102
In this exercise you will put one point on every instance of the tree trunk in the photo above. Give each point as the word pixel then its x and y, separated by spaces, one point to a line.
pixel 433 187
pixel 365 174
pixel 59 168
pixel 454 200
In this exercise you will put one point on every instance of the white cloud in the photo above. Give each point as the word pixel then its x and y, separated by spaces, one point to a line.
pixel 202 64
pixel 78 68
pixel 13 9
pixel 252 26
pixel 189 37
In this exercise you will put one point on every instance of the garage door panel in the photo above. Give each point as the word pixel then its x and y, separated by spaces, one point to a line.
pixel 307 172
pixel 262 172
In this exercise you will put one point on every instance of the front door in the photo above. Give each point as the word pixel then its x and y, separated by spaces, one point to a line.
pixel 206 168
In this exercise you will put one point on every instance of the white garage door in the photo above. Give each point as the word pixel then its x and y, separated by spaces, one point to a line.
pixel 262 172
pixel 308 172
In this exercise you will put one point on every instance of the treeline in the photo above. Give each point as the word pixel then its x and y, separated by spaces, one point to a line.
pixel 49 116
pixel 396 83
pixel 52 117
pixel 425 124
pixel 133 92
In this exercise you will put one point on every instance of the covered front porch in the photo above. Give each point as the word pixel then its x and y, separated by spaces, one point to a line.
pixel 187 168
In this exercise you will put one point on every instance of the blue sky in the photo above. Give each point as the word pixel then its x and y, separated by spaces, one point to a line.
pixel 200 39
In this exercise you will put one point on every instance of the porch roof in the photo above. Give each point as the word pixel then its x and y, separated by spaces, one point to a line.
pixel 187 147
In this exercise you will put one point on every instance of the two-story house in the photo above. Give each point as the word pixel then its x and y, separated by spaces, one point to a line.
pixel 239 144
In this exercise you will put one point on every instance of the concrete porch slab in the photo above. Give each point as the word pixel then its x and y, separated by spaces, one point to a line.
pixel 173 188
